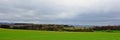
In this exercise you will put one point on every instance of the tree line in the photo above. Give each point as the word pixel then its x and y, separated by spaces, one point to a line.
pixel 55 27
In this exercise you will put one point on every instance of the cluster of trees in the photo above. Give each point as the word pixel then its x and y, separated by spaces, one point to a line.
pixel 80 30
pixel 48 27
pixel 54 27
pixel 117 27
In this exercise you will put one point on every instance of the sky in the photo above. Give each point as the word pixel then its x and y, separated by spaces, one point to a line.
pixel 83 12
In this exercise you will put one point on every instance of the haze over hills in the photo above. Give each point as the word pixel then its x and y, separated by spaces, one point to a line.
pixel 56 24
pixel 5 23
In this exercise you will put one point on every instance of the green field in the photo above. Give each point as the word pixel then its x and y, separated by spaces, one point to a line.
pixel 9 34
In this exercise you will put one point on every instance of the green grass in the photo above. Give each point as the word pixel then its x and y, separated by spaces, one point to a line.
pixel 9 34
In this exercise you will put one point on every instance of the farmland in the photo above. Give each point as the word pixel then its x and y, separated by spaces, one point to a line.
pixel 12 34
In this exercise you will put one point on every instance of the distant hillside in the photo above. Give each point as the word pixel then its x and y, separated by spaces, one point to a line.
pixel 83 25
pixel 5 23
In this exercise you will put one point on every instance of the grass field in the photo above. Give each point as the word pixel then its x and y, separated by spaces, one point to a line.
pixel 9 34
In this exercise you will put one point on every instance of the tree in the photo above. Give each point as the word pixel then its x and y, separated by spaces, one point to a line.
pixel 5 26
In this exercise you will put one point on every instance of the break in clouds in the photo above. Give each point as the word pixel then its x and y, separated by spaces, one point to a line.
pixel 86 12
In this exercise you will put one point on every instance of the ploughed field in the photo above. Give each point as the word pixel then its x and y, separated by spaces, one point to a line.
pixel 11 34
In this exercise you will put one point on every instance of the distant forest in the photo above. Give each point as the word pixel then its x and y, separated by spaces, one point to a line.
pixel 55 27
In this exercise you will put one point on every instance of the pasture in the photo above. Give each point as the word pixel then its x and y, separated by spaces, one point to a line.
pixel 12 34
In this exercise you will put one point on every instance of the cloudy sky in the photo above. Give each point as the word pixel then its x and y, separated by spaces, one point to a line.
pixel 84 12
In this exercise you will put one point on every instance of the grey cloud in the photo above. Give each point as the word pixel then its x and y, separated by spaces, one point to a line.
pixel 61 11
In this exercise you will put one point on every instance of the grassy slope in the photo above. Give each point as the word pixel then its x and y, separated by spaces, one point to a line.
pixel 8 34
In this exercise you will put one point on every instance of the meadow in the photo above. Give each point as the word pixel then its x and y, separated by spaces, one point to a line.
pixel 13 34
